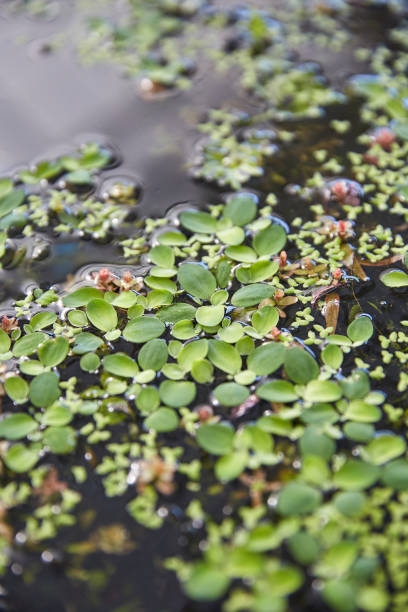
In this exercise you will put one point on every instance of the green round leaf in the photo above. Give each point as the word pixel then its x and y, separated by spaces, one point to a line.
pixel 384 448
pixel 215 439
pixel 142 329
pixel 355 386
pixel 85 342
pixel 53 352
pixel 208 316
pixel 57 415
pixel 241 208
pixel 360 411
pixel 31 367
pixel 81 297
pixel 202 371
pixel 298 498
pixel 395 278
pixel 20 459
pixel 279 391
pixel 313 442
pixel 176 313
pixel 231 236
pixel 257 272
pixel 285 581
pixel 252 295
pixel 332 356
pixel 17 426
pixel 231 333
pixel 350 503
pixel 60 440
pixel 162 420
pixel 102 315
pixel 300 366
pixel 206 583
pixel 395 475
pixel 224 356
pixel 304 547
pixel 198 222
pixel 44 389
pixel 231 466
pixel 148 400
pixel 267 358
pixel 16 388
pixel 355 475
pixel 196 280
pixel 322 391
pixel 11 201
pixel 162 255
pixel 5 342
pixel 174 238
pixel 241 253
pixel 231 394
pixel 359 432
pixel 177 394
pixel 340 595
pixel 361 329
pixel 153 355
pixel 120 364
pixel 265 319
pixel 270 240
pixel 28 344
pixel 192 352
pixel 319 414
pixel 89 362
pixel 77 318
pixel 42 319
pixel 125 299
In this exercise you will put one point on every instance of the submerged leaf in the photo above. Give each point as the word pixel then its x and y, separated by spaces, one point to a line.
pixel 331 310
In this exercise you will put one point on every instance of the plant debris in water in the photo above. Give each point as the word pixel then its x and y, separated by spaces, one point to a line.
pixel 242 377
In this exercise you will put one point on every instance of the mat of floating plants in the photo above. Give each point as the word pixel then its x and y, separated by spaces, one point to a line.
pixel 203 331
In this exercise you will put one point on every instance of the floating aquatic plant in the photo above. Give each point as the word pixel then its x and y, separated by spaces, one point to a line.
pixel 243 384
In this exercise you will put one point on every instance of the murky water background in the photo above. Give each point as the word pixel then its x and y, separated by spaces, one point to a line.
pixel 48 100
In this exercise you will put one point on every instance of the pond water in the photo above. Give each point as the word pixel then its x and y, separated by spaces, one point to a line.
pixel 211 416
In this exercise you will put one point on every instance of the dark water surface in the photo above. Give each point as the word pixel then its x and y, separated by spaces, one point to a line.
pixel 49 100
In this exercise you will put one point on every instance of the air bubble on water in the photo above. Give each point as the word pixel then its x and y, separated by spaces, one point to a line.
pixel 203 545
pixel 21 537
pixel 272 501
pixel 47 556
pixel 17 569
pixel 121 188
pixel 174 211
pixel 133 474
